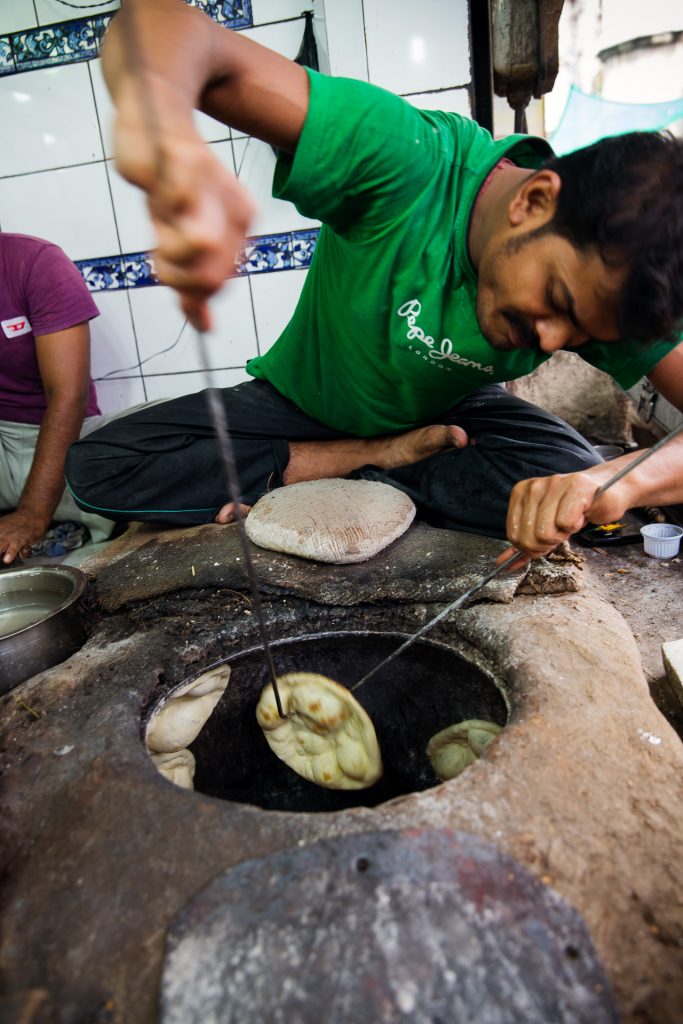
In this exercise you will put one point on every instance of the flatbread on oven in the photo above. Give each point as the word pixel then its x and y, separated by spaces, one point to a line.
pixel 326 736
pixel 458 746
pixel 183 716
pixel 178 767
pixel 332 520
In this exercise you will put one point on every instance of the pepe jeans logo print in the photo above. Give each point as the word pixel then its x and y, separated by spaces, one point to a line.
pixel 410 310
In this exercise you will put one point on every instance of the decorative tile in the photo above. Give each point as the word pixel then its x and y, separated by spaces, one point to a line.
pixel 231 13
pixel 100 25
pixel 104 273
pixel 54 44
pixel 66 42
pixel 303 247
pixel 6 59
pixel 138 270
pixel 292 250
pixel 266 253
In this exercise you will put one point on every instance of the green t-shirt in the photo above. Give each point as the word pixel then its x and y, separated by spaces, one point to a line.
pixel 385 334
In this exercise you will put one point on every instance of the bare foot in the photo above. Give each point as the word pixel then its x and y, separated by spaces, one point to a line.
pixel 228 514
pixel 317 460
pixel 404 449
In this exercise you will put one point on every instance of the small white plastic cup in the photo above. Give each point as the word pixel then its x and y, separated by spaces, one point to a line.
pixel 661 540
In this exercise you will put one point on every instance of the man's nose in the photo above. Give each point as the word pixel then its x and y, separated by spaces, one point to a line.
pixel 555 333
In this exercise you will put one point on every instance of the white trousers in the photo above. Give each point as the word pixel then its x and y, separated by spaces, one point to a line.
pixel 17 447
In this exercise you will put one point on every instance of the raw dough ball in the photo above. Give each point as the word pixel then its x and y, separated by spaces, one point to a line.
pixel 178 767
pixel 455 748
pixel 330 520
pixel 180 720
pixel 327 737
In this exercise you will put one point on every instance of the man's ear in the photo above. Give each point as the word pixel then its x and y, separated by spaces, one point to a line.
pixel 535 201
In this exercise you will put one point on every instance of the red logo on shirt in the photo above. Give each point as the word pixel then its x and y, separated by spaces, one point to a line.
pixel 16 326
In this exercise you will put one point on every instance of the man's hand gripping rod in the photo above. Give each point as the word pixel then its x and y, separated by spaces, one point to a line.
pixel 454 605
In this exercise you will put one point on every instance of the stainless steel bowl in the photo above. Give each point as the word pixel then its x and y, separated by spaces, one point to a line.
pixel 40 624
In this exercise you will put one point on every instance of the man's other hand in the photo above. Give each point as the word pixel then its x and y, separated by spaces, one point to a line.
pixel 19 531
pixel 544 511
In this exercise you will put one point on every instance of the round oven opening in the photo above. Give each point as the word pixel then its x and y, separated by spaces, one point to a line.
pixel 426 689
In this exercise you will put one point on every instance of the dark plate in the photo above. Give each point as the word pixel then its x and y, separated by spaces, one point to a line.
pixel 594 537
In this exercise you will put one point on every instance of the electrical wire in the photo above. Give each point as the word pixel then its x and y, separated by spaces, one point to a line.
pixel 147 359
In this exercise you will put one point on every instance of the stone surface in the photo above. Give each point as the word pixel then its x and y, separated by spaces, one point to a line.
pixel 425 564
pixel 582 395
pixel 100 854
pixel 383 927
pixel 672 656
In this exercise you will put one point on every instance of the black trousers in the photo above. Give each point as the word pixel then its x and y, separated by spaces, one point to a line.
pixel 161 463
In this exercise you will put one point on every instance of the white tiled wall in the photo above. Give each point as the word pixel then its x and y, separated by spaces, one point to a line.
pixel 58 180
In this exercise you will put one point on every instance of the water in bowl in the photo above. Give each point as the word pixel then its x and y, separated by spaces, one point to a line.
pixel 21 609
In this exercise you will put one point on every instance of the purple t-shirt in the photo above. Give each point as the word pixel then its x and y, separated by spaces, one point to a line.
pixel 41 292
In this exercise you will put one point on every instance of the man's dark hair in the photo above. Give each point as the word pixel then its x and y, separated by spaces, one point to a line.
pixel 624 196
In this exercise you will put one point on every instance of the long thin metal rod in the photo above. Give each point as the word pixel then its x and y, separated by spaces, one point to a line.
pixel 454 605
pixel 437 618
pixel 226 451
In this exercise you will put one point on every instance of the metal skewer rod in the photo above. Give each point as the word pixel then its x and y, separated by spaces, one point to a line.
pixel 437 618
pixel 219 421
pixel 454 605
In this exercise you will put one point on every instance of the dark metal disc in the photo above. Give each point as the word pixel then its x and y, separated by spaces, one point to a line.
pixel 425 927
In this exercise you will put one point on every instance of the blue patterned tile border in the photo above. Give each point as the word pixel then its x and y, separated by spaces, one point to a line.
pixel 291 250
pixel 6 60
pixel 232 13
pixel 52 45
pixel 67 42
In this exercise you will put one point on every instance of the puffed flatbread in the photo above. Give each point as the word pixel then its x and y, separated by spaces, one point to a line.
pixel 458 746
pixel 326 736
pixel 335 520
pixel 178 767
pixel 183 716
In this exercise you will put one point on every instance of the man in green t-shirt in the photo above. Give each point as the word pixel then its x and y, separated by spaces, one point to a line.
pixel 447 263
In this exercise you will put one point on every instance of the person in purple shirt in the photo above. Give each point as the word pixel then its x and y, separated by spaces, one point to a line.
pixel 46 392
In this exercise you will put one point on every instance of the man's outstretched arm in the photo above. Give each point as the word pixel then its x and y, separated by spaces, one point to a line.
pixel 544 511
pixel 162 59
pixel 64 361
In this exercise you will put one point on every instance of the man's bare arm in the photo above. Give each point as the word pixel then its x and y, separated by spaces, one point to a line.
pixel 543 511
pixel 667 377
pixel 64 362
pixel 162 59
